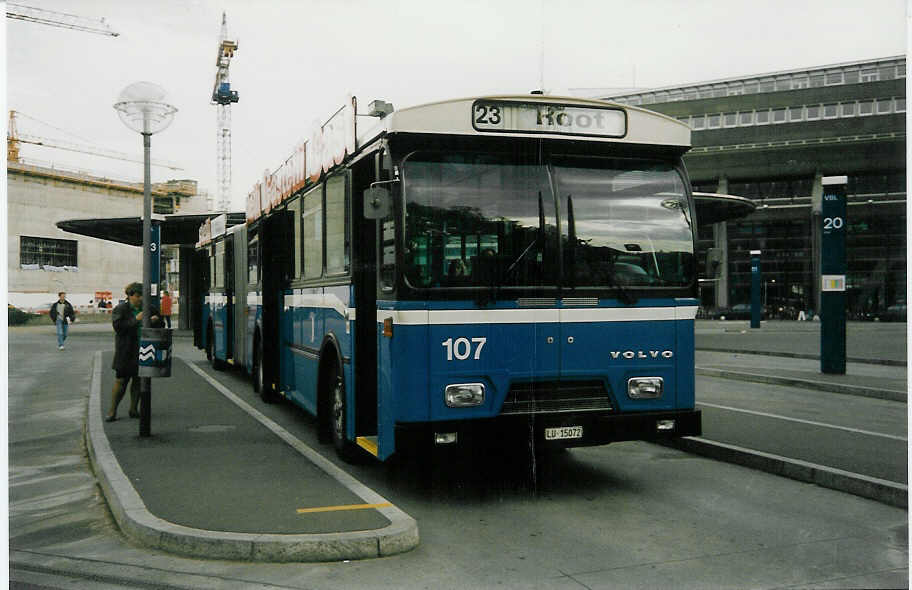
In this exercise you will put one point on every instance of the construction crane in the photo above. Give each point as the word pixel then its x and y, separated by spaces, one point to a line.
pixel 14 138
pixel 58 19
pixel 222 97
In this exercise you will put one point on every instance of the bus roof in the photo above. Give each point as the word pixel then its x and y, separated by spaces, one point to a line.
pixel 510 115
pixel 524 115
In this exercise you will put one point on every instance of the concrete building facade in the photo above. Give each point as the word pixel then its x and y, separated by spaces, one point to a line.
pixel 771 138
pixel 43 259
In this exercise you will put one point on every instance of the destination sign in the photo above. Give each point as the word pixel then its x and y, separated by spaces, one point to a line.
pixel 533 117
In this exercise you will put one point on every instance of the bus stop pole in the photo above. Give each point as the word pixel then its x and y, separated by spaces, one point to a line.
pixel 833 276
pixel 756 284
pixel 145 383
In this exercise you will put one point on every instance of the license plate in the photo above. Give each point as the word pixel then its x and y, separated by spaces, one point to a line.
pixel 563 432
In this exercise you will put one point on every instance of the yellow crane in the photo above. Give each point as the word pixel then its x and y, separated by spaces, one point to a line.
pixel 14 138
pixel 58 19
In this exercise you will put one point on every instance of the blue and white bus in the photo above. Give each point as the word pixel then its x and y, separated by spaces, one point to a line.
pixel 221 262
pixel 523 264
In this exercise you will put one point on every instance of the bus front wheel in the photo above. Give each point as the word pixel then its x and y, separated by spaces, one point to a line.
pixel 346 450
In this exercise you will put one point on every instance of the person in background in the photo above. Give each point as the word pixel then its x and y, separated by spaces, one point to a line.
pixel 62 314
pixel 166 308
pixel 127 321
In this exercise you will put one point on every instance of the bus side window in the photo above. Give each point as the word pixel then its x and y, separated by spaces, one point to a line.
pixel 253 274
pixel 294 209
pixel 388 254
pixel 213 280
pixel 312 233
pixel 219 275
pixel 337 227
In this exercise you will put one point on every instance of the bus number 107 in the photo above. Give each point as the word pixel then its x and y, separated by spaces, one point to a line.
pixel 461 348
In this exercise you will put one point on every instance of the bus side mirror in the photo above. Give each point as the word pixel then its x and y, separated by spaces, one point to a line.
pixel 713 263
pixel 377 202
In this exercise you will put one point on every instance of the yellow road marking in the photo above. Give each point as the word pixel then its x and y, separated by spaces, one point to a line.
pixel 346 507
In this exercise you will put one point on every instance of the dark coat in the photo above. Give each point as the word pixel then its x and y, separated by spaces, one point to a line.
pixel 67 311
pixel 126 338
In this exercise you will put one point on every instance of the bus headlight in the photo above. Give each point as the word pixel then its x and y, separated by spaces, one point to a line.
pixel 464 395
pixel 644 387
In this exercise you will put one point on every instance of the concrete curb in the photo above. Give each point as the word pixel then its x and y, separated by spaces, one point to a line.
pixel 887 394
pixel 798 355
pixel 887 492
pixel 141 526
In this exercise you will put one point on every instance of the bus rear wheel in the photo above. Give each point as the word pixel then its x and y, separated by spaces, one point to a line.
pixel 210 346
pixel 257 372
pixel 259 380
pixel 210 351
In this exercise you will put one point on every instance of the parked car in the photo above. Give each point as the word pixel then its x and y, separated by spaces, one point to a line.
pixel 740 311
pixel 894 313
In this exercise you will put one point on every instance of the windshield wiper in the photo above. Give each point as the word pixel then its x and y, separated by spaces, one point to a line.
pixel 572 242
pixel 623 295
pixel 539 238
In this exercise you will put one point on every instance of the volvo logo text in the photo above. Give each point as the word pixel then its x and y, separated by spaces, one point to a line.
pixel 641 354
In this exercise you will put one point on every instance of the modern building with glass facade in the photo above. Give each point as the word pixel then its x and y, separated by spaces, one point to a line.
pixel 771 138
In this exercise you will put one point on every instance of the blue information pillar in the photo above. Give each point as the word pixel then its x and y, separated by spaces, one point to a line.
pixel 756 286
pixel 833 276
pixel 154 343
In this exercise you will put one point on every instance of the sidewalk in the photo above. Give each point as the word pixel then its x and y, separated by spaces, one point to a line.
pixel 788 353
pixel 222 481
pixel 883 343
pixel 862 379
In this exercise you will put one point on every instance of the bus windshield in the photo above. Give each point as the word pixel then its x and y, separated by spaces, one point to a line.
pixel 491 220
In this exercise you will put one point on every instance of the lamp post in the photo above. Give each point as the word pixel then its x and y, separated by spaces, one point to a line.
pixel 143 107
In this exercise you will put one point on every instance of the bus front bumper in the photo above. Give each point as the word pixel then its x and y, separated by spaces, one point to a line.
pixel 607 428
pixel 558 430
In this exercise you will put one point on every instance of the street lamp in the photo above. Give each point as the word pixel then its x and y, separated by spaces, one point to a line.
pixel 144 108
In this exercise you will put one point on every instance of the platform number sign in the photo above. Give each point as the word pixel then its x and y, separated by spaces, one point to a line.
pixel 833 260
pixel 833 276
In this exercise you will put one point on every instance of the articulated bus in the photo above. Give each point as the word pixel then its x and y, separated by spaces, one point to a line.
pixel 522 265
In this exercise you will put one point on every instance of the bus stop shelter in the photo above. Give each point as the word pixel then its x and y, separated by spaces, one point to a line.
pixel 176 230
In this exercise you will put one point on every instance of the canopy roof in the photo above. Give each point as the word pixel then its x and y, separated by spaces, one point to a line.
pixel 713 208
pixel 175 229
pixel 184 229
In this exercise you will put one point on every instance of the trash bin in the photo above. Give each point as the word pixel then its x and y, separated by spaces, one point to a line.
pixel 155 352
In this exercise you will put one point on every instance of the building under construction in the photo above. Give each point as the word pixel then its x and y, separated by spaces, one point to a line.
pixel 43 259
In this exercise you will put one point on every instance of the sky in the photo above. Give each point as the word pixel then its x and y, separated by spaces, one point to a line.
pixel 297 60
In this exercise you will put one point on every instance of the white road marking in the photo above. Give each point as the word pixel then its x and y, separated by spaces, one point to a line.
pixel 810 422
pixel 369 496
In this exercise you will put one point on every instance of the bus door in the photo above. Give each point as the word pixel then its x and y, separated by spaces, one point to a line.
pixel 228 331
pixel 364 279
pixel 199 288
pixel 277 266
pixel 239 284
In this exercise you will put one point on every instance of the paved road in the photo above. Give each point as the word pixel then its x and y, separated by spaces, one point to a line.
pixel 856 434
pixel 625 515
